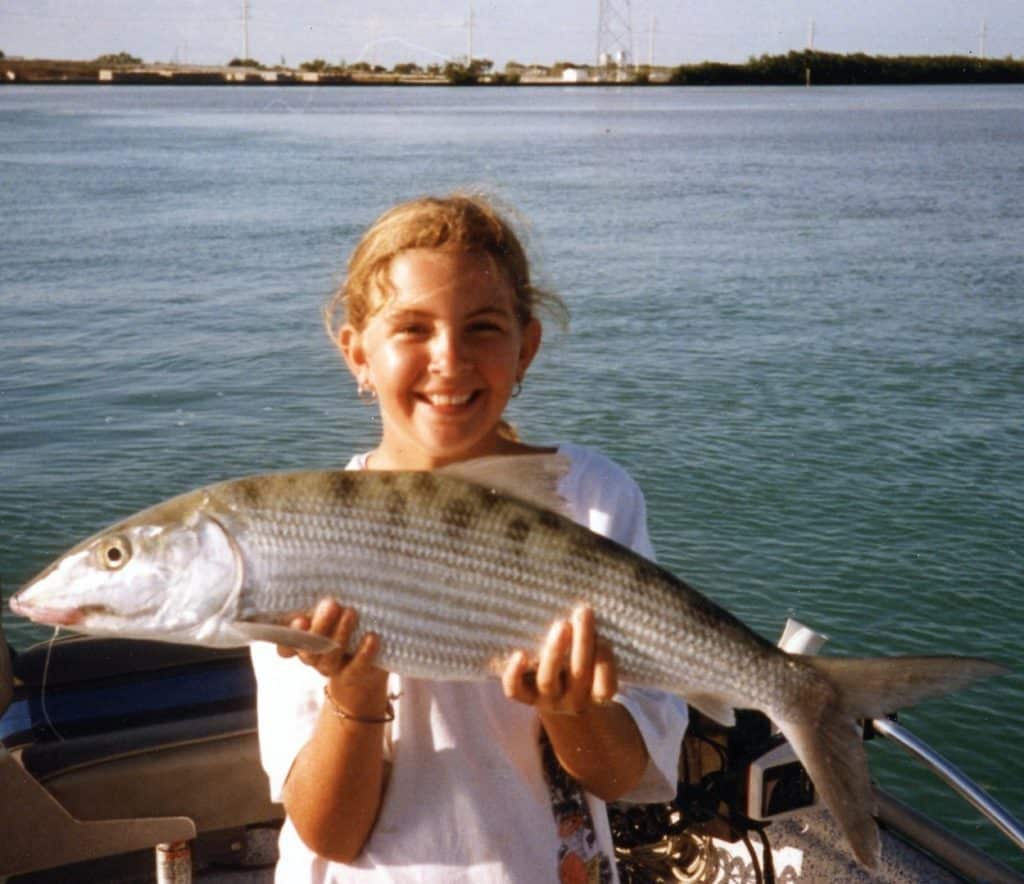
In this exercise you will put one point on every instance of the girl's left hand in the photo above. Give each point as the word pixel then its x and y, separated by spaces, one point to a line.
pixel 574 669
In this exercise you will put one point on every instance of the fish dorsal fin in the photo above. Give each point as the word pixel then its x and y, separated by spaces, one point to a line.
pixel 533 478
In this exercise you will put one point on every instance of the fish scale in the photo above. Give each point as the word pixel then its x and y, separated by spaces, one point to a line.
pixel 455 575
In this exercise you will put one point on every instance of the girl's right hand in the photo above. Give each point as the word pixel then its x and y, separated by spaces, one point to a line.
pixel 333 792
pixel 348 673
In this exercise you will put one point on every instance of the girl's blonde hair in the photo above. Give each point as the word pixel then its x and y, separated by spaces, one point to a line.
pixel 459 222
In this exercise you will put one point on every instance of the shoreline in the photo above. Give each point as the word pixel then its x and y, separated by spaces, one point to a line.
pixel 807 68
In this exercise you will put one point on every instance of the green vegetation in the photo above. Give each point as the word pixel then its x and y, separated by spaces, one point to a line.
pixel 245 63
pixel 479 71
pixel 364 67
pixel 320 66
pixel 119 58
pixel 832 69
pixel 505 79
pixel 459 74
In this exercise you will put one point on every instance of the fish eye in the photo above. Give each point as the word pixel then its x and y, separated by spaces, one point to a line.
pixel 113 553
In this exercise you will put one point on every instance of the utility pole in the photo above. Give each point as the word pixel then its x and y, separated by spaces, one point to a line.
pixel 981 38
pixel 810 48
pixel 469 50
pixel 650 43
pixel 245 29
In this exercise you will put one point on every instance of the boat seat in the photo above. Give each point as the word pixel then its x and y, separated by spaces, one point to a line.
pixel 85 686
pixel 206 769
pixel 128 730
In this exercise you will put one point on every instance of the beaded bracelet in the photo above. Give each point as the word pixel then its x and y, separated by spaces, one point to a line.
pixel 389 714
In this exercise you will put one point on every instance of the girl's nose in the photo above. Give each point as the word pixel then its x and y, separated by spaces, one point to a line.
pixel 447 355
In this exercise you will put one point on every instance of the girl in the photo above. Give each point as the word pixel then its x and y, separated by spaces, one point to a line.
pixel 399 779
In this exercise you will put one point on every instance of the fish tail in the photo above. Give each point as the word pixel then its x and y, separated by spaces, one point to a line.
pixel 828 737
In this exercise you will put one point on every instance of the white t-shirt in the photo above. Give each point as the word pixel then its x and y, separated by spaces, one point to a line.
pixel 467 800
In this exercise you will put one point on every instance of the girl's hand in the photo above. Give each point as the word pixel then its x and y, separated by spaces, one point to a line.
pixel 351 675
pixel 574 669
pixel 334 789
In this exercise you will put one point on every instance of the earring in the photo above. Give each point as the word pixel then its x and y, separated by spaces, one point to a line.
pixel 367 395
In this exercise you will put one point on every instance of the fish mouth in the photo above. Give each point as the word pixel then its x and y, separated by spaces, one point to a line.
pixel 48 616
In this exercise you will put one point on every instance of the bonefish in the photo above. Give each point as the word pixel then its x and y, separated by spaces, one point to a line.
pixel 453 573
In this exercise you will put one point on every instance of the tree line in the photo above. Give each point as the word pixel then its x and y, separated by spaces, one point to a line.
pixel 858 69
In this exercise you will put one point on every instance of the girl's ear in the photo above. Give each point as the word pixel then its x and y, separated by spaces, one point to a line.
pixel 531 337
pixel 350 342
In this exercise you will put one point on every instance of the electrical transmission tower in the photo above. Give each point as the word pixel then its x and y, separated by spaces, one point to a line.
pixel 614 38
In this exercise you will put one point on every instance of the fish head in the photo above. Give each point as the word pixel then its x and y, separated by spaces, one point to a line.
pixel 156 575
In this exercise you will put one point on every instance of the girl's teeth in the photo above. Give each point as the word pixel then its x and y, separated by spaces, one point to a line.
pixel 440 399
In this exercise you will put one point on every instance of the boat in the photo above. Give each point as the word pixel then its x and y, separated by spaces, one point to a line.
pixel 125 760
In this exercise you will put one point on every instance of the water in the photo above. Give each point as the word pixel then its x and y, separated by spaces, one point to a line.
pixel 797 319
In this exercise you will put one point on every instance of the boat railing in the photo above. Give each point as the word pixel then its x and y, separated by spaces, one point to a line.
pixel 799 638
pixel 984 803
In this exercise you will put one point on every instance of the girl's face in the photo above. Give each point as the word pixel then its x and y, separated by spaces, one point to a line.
pixel 443 355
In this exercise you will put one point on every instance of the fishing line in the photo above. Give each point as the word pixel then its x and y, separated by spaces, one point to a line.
pixel 42 687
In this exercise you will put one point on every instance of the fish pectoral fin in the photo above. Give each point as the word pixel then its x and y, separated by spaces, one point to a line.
pixel 713 708
pixel 298 639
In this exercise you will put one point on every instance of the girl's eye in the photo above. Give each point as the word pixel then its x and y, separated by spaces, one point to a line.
pixel 486 326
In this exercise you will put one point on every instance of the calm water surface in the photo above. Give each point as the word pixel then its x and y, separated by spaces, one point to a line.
pixel 798 319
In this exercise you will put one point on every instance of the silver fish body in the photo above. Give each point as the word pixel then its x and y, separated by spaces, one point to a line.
pixel 454 576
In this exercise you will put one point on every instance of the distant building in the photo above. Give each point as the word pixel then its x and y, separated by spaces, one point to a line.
pixel 536 72
pixel 575 75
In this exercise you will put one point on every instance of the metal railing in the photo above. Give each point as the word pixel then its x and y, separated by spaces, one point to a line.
pixel 991 809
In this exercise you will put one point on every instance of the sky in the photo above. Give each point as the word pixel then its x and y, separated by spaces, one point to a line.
pixel 665 32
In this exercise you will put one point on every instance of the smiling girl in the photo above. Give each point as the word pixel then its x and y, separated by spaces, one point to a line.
pixel 388 778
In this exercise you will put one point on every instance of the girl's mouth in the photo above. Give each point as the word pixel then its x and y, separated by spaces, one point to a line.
pixel 449 400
